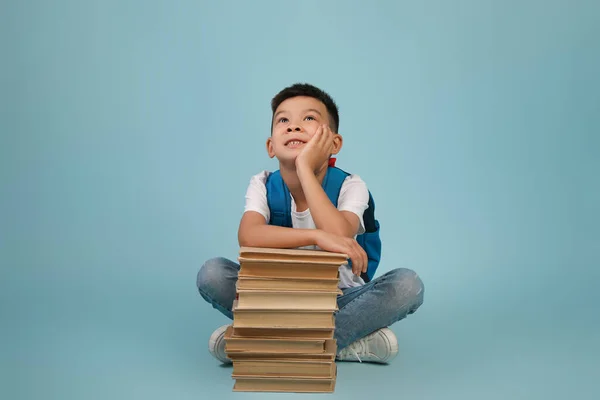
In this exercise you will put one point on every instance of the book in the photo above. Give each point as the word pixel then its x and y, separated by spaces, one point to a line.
pixel 292 256
pixel 287 299
pixel 327 353
pixel 277 270
pixel 284 368
pixel 289 319
pixel 281 333
pixel 298 385
pixel 236 344
pixel 286 283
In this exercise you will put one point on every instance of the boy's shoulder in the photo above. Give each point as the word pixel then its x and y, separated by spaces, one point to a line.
pixel 261 176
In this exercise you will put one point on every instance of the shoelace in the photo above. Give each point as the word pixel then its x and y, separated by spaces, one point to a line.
pixel 356 354
pixel 352 348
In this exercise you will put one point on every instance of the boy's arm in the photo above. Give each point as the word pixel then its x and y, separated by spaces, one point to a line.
pixel 254 232
pixel 323 212
pixel 325 215
pixel 253 229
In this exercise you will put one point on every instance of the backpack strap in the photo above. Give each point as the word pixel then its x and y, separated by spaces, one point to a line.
pixel 279 201
pixel 332 183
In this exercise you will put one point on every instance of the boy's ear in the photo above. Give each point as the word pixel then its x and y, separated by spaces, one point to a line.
pixel 338 141
pixel 270 148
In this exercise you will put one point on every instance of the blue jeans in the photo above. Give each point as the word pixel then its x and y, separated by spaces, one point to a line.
pixel 362 310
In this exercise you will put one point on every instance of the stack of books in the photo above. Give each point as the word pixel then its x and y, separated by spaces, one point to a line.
pixel 281 339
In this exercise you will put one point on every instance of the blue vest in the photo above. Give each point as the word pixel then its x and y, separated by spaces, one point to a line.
pixel 279 202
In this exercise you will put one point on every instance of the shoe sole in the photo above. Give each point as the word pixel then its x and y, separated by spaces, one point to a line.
pixel 214 344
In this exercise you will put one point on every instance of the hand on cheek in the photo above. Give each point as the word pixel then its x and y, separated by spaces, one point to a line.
pixel 317 150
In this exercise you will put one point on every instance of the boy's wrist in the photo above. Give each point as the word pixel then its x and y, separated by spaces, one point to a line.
pixel 316 234
pixel 302 169
pixel 305 175
pixel 306 172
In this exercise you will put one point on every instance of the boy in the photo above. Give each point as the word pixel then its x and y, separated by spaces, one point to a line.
pixel 304 136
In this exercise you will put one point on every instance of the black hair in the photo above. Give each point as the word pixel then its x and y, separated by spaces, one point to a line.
pixel 305 89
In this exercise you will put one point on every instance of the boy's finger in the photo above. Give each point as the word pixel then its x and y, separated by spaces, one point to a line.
pixel 323 133
pixel 352 258
pixel 317 134
pixel 358 265
pixel 356 269
pixel 327 140
pixel 328 133
pixel 361 256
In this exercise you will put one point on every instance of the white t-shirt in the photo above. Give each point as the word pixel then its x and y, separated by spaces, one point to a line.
pixel 354 197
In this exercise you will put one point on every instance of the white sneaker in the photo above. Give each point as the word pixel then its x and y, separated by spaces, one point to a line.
pixel 216 345
pixel 380 346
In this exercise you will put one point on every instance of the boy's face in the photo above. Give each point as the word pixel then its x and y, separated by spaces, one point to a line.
pixel 294 123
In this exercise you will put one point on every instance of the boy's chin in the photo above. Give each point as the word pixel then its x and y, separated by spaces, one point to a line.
pixel 287 162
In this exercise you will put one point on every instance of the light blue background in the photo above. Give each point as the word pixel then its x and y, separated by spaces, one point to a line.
pixel 130 131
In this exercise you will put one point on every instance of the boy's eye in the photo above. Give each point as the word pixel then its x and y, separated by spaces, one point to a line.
pixel 310 118
pixel 283 119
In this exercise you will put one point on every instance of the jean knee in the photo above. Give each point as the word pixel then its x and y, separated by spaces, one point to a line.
pixel 210 274
pixel 407 288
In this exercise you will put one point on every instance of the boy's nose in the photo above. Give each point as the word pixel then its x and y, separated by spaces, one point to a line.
pixel 294 128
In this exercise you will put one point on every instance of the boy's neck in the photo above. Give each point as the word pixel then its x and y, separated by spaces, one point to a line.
pixel 291 179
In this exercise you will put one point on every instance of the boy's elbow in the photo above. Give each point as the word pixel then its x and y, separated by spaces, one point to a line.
pixel 347 233
pixel 342 228
pixel 247 238
pixel 340 231
pixel 349 225
pixel 247 230
pixel 243 239
pixel 245 243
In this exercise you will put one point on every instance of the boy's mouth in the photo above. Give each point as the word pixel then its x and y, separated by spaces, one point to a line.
pixel 293 144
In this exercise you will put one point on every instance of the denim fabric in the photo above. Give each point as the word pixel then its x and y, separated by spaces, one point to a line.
pixel 362 310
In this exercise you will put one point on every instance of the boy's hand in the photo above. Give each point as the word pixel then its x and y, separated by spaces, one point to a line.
pixel 317 150
pixel 349 246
